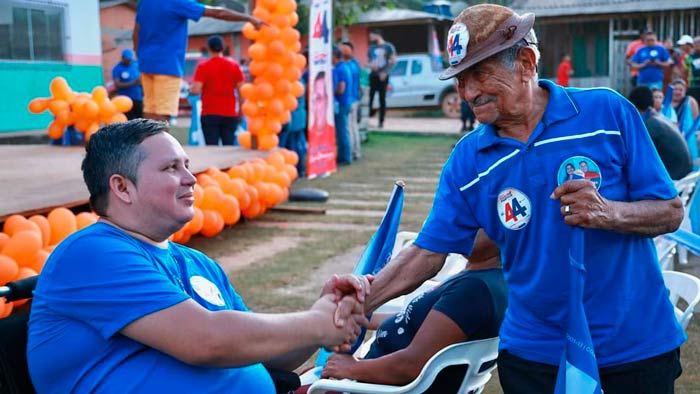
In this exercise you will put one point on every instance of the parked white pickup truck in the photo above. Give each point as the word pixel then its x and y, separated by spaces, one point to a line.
pixel 414 83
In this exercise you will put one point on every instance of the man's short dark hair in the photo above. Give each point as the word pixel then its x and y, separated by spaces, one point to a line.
pixel 114 149
pixel 348 43
pixel 376 31
pixel 215 43
pixel 642 97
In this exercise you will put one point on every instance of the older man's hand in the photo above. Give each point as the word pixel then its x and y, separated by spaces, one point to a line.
pixel 582 205
pixel 339 321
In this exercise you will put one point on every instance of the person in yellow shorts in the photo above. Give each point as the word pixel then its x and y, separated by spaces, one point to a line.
pixel 160 40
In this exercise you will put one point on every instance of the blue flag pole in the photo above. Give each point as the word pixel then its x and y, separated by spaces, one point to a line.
pixel 377 253
pixel 578 369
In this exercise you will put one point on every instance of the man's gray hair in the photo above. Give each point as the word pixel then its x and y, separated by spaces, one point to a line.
pixel 507 57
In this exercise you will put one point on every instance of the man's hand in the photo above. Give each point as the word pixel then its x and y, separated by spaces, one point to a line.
pixel 347 312
pixel 338 366
pixel 383 76
pixel 582 205
pixel 256 22
pixel 340 285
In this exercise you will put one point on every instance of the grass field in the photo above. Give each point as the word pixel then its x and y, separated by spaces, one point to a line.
pixel 287 255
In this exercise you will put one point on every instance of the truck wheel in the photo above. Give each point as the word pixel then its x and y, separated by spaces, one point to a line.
pixel 450 104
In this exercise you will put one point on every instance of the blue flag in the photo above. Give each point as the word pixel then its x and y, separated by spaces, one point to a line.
pixel 578 369
pixel 377 253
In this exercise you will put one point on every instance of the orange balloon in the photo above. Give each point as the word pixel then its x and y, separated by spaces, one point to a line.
pixel 253 210
pixel 257 67
pixel 267 142
pixel 275 106
pixel 290 157
pixel 56 106
pixel 291 171
pixel 300 60
pixel 247 91
pixel 272 125
pixel 292 73
pixel 107 110
pixel 238 172
pixel 258 172
pixel 282 179
pixel 261 13
pixel 122 103
pixel 265 90
pixel 244 200
pixel 63 117
pixel 39 105
pixel 26 225
pixel 62 223
pixel 257 51
pixel 118 118
pixel 273 72
pixel 99 94
pixel 24 272
pixel 23 246
pixel 294 47
pixel 286 6
pixel 3 240
pixel 59 88
pixel 212 224
pixel 12 223
pixel 198 192
pixel 255 125
pixel 285 117
pixel 268 4
pixel 212 197
pixel 281 21
pixel 276 48
pixel 89 110
pixel 39 261
pixel 195 225
pixel 282 87
pixel 290 102
pixel 230 210
pixel 84 219
pixel 276 159
pixel 250 32
pixel 274 194
pixel 56 130
pixel 293 18
pixel 290 35
pixel 269 32
pixel 297 88
pixel 8 269
pixel 250 109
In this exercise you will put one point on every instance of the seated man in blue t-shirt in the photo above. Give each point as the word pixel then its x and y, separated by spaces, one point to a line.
pixel 468 306
pixel 120 309
pixel 127 80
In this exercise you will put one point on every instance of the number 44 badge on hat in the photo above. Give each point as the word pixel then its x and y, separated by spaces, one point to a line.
pixel 457 41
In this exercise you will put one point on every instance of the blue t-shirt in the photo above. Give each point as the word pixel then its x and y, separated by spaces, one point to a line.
pixel 163 34
pixel 354 85
pixel 123 73
pixel 95 283
pixel 650 73
pixel 503 186
pixel 341 73
pixel 475 300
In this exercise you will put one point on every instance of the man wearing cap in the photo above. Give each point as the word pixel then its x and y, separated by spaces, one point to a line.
pixel 686 45
pixel 218 79
pixel 127 80
pixel 692 66
pixel 509 178
pixel 160 40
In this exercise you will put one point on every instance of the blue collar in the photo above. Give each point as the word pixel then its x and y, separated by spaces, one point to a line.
pixel 560 106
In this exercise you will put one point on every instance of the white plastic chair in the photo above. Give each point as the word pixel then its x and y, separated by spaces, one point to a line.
pixel 453 264
pixel 686 187
pixel 683 286
pixel 475 354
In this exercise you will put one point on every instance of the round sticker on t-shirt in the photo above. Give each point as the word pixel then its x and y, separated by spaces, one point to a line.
pixel 207 290
pixel 457 41
pixel 514 208
pixel 579 167
pixel 125 75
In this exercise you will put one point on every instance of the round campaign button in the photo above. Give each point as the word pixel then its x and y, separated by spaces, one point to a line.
pixel 514 208
pixel 579 167
pixel 457 41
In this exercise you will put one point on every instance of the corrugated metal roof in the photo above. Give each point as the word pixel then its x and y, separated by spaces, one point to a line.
pixel 592 7
pixel 397 15
pixel 208 26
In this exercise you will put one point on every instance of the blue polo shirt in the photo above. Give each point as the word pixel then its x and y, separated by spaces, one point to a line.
pixel 341 73
pixel 124 73
pixel 650 73
pixel 163 34
pixel 98 281
pixel 503 186
pixel 354 68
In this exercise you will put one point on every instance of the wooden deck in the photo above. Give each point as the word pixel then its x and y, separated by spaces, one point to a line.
pixel 38 178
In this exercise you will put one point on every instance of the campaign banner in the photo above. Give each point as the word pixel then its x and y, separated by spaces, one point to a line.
pixel 321 127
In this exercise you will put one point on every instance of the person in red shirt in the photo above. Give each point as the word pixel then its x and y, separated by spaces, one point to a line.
pixel 218 79
pixel 564 71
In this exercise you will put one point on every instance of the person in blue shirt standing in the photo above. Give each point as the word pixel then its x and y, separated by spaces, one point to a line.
pixel 343 100
pixel 355 93
pixel 160 40
pixel 127 80
pixel 121 309
pixel 509 177
pixel 650 60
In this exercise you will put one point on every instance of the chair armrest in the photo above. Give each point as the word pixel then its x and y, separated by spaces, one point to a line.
pixel 351 386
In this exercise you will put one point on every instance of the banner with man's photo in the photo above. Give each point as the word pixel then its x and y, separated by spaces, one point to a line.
pixel 321 127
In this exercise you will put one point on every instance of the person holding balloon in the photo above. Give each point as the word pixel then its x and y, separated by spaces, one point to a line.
pixel 160 40
pixel 120 308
